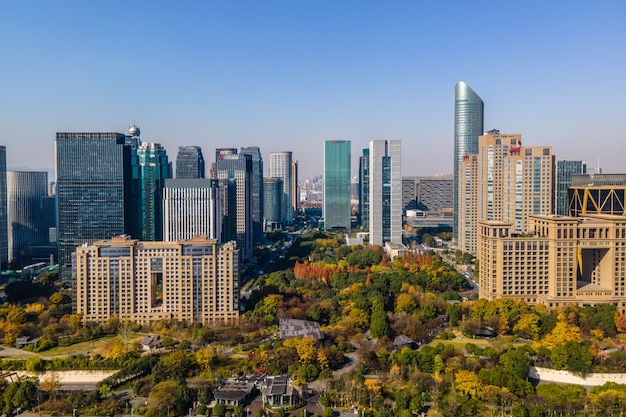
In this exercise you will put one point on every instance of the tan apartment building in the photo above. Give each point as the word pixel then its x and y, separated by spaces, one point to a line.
pixel 195 280
pixel 504 181
pixel 560 260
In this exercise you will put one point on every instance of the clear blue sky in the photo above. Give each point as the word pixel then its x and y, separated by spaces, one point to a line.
pixel 288 75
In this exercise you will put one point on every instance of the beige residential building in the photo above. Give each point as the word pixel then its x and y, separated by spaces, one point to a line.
pixel 504 181
pixel 560 260
pixel 195 280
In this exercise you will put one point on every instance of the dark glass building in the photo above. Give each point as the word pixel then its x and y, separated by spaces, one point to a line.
pixel 94 190
pixel 4 234
pixel 257 191
pixel 189 162
pixel 563 180
pixel 337 209
pixel 154 169
pixel 364 189
pixel 273 204
pixel 468 126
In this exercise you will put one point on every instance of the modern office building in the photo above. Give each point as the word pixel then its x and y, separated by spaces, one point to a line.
pixel 504 181
pixel 336 210
pixel 385 196
pixel 234 172
pixel 597 193
pixel 409 193
pixel 563 180
pixel 295 188
pixel 4 234
pixel 195 281
pixel 273 204
pixel 468 126
pixel 189 162
pixel 191 207
pixel 435 195
pixel 281 167
pixel 363 217
pixel 257 191
pixel 27 227
pixel 560 260
pixel 94 189
pixel 154 170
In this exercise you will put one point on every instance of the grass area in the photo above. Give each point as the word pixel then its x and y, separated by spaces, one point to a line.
pixel 460 341
pixel 90 347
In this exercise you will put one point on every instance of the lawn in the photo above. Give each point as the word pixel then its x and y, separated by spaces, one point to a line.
pixel 90 347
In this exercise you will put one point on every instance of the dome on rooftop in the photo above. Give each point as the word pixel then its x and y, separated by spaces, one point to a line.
pixel 134 131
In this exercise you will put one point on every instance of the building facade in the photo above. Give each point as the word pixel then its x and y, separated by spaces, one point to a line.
pixel 189 162
pixel 256 192
pixel 154 170
pixel 281 167
pixel 273 204
pixel 94 190
pixel 468 126
pixel 27 226
pixel 4 233
pixel 363 218
pixel 597 193
pixel 563 180
pixel 191 207
pixel 504 181
pixel 336 209
pixel 385 196
pixel 196 281
pixel 559 261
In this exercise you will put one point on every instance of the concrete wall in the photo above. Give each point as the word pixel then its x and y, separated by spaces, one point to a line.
pixel 591 380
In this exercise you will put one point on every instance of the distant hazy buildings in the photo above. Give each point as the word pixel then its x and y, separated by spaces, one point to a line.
pixel 94 192
pixel 257 191
pixel 563 180
pixel 468 126
pixel 189 162
pixel 385 191
pixel 4 236
pixel 363 218
pixel 191 208
pixel 281 167
pixel 337 210
pixel 27 226
pixel 195 281
pixel 273 204
pixel 154 170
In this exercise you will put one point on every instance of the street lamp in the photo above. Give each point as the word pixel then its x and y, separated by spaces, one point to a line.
pixel 74 413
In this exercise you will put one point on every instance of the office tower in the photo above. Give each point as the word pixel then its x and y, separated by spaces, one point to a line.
pixel 562 181
pixel 336 210
pixel 385 222
pixel 560 260
pixel 295 188
pixel 409 193
pixel 191 207
pixel 154 169
pixel 26 218
pixel 504 181
pixel 597 193
pixel 257 191
pixel 280 167
pixel 4 234
pixel 435 195
pixel 193 281
pixel 189 162
pixel 234 172
pixel 93 189
pixel 468 126
pixel 364 189
pixel 273 204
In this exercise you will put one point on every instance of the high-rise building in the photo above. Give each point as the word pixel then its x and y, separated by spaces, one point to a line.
pixel 191 207
pixel 409 193
pixel 26 219
pixel 295 187
pixel 273 204
pixel 385 196
pixel 435 195
pixel 195 281
pixel 504 181
pixel 257 191
pixel 280 167
pixel 154 169
pixel 189 162
pixel 234 172
pixel 468 126
pixel 4 234
pixel 363 218
pixel 336 210
pixel 94 189
pixel 563 180
pixel 560 260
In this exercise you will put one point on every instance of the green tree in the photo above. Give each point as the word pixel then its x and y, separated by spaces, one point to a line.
pixel 573 357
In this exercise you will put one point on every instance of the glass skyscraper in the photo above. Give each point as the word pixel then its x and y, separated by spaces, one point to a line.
pixel 336 208
pixel 257 191
pixel 468 126
pixel 364 189
pixel 562 182
pixel 189 162
pixel 154 169
pixel 273 204
pixel 4 234
pixel 280 167
pixel 93 189
pixel 385 191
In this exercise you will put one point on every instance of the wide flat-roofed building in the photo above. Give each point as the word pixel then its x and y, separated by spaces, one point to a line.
pixel 196 281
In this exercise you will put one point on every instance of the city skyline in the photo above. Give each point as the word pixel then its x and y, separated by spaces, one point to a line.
pixel 297 74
